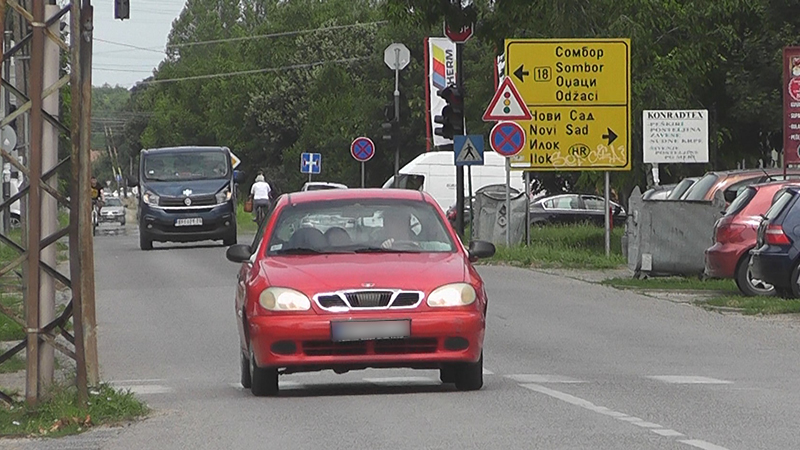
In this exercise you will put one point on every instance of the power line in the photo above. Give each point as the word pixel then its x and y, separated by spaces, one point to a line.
pixel 255 71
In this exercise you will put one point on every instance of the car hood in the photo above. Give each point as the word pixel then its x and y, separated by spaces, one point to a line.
pixel 176 188
pixel 312 274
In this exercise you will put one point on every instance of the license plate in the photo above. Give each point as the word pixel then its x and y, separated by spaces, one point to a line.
pixel 370 330
pixel 189 222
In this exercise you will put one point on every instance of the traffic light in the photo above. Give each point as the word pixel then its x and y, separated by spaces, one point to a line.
pixel 452 118
pixel 122 9
pixel 388 131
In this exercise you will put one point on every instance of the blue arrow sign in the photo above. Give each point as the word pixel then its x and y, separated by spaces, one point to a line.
pixel 468 150
pixel 311 163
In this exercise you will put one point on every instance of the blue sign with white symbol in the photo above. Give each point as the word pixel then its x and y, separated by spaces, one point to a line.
pixel 507 138
pixel 362 149
pixel 468 150
pixel 311 163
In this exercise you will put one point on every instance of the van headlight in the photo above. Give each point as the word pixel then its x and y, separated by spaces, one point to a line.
pixel 223 195
pixel 283 299
pixel 150 198
pixel 456 294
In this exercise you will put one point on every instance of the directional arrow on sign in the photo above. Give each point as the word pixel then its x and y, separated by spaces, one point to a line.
pixel 521 73
pixel 611 136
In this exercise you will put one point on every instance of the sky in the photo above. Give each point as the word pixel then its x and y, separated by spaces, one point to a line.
pixel 147 28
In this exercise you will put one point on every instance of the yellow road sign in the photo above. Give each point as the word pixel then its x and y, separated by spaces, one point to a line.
pixel 578 91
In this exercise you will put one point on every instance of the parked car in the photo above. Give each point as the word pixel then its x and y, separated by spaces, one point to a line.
pixel 320 185
pixel 574 208
pixel 112 211
pixel 681 188
pixel 731 182
pixel 659 192
pixel 775 256
pixel 735 235
pixel 336 279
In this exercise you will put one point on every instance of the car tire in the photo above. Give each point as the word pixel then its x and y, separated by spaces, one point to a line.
pixel 448 373
pixel 145 243
pixel 245 370
pixel 14 221
pixel 794 289
pixel 470 376
pixel 263 380
pixel 122 222
pixel 745 282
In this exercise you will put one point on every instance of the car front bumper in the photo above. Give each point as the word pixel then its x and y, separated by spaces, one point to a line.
pixel 302 342
pixel 159 224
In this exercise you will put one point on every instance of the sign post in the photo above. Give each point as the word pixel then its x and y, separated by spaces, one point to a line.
pixel 396 56
pixel 362 149
pixel 507 139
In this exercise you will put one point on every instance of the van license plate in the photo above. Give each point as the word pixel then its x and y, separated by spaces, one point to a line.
pixel 369 330
pixel 193 221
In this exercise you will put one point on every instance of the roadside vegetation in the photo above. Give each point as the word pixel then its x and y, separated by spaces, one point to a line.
pixel 568 246
pixel 755 305
pixel 244 222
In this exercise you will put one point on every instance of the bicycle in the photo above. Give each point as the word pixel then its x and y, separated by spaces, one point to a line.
pixel 95 216
pixel 261 214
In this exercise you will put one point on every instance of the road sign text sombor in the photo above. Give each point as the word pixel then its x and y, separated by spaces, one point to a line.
pixel 578 93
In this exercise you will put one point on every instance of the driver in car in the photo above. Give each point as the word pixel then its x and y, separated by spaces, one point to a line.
pixel 396 228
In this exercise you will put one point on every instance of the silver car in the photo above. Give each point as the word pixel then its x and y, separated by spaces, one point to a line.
pixel 112 211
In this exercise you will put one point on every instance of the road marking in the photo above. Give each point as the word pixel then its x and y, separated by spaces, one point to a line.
pixel 702 444
pixel 538 378
pixel 141 381
pixel 402 381
pixel 678 379
pixel 487 372
pixel 655 428
pixel 148 389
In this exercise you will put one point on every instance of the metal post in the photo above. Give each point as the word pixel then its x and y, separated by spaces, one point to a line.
pixel 471 204
pixel 460 169
pixel 608 218
pixel 397 117
pixel 6 109
pixel 362 174
pixel 34 205
pixel 309 177
pixel 527 208
pixel 508 202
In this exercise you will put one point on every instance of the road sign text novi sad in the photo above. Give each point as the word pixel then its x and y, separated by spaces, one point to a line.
pixel 578 93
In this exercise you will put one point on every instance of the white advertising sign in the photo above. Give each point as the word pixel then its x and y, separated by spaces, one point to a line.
pixel 675 136
pixel 441 73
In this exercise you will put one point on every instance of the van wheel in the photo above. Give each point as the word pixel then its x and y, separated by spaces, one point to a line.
pixel 145 243
pixel 747 284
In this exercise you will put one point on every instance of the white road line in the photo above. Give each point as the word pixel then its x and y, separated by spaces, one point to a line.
pixel 142 381
pixel 702 444
pixel 655 428
pixel 667 432
pixel 148 389
pixel 539 378
pixel 678 379
pixel 487 372
pixel 403 380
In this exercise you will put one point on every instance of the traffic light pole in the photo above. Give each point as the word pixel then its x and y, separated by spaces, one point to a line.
pixel 460 169
pixel 397 121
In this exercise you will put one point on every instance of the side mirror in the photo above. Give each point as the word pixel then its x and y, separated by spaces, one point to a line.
pixel 238 253
pixel 480 249
pixel 238 176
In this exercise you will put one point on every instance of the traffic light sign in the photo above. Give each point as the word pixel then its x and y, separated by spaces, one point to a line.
pixel 452 118
pixel 388 131
pixel 122 9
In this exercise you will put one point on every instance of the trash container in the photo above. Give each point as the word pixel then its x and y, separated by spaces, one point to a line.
pixel 490 218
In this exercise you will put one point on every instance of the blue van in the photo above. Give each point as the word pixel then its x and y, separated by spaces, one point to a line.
pixel 186 194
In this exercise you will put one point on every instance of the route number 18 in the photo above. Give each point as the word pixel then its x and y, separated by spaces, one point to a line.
pixel 542 73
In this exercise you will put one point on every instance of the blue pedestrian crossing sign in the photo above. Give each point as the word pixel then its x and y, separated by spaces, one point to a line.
pixel 468 150
pixel 311 163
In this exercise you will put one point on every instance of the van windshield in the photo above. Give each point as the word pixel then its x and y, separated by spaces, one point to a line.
pixel 407 181
pixel 186 165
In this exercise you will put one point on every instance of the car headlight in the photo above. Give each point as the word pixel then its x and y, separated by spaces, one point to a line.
pixel 283 299
pixel 456 294
pixel 223 195
pixel 150 198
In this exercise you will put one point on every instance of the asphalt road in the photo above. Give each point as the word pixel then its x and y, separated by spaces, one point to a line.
pixel 570 365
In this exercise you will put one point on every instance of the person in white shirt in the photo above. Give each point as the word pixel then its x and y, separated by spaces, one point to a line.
pixel 260 193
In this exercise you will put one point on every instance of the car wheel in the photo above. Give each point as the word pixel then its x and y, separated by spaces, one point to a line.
pixel 470 376
pixel 245 369
pixel 14 221
pixel 145 243
pixel 122 222
pixel 448 374
pixel 747 284
pixel 794 290
pixel 263 380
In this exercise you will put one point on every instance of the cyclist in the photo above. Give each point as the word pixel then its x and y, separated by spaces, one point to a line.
pixel 260 194
pixel 97 200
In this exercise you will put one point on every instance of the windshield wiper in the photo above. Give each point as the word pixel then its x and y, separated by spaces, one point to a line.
pixel 385 250
pixel 298 251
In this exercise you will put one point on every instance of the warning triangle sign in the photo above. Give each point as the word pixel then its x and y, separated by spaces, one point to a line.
pixel 469 153
pixel 507 104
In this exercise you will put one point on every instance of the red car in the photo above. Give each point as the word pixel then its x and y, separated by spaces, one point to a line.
pixel 356 278
pixel 735 235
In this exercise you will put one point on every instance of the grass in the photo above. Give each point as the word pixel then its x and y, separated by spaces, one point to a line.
pixel 674 283
pixel 756 305
pixel 572 246
pixel 244 221
pixel 15 364
pixel 10 330
pixel 61 415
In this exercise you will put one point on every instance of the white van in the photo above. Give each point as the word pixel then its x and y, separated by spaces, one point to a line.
pixel 435 173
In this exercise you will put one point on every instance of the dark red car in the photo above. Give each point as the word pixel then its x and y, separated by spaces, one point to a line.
pixel 357 278
pixel 735 234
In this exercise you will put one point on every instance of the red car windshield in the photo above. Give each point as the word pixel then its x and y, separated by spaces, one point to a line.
pixel 359 225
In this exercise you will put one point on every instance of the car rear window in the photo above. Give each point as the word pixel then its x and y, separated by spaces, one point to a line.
pixel 698 190
pixel 741 201
pixel 680 189
pixel 778 205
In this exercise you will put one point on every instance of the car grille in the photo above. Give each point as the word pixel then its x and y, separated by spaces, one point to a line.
pixel 377 347
pixel 197 200
pixel 364 299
